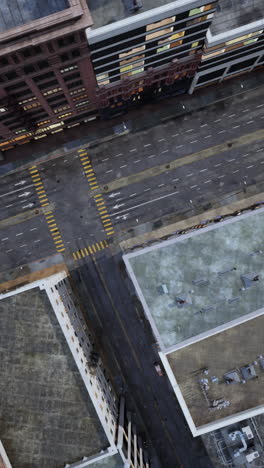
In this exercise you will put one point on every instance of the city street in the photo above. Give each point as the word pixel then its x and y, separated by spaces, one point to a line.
pixel 165 171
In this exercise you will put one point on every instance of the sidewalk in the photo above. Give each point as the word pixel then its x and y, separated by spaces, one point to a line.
pixel 149 115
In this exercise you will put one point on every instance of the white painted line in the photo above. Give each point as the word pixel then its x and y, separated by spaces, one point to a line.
pixel 249 122
pixel 194 141
pixel 149 144
pixel 180 146
pixel 10 250
pixel 218 120
pixel 162 139
pixel 221 176
pixel 110 170
pixel 132 195
pixel 261 149
pixel 17 190
pixel 19 234
pixel 245 155
pixel 6 238
pixel 24 245
pixel 161 185
pixel 33 229
pixel 8 206
pixel 208 136
pixel 189 175
pixel 117 155
pixel 165 151
pixel 260 105
pixel 235 171
pixel 65 160
pixel 175 135
pixel 204 125
pixel 203 170
pixel 217 165
pixel 145 203
pixel 175 180
pixel 222 131
pixel 190 130
pixel 232 115
pixel 207 181
pixel 193 186
pixel 230 160
pixel 106 159
pixel 262 117
pixel 261 162
pixel 37 240
pixel 132 150
pixel 152 156
pixel 245 110
pixel 236 126
pixel 147 189
pixel 249 167
pixel 137 161
pixel 125 165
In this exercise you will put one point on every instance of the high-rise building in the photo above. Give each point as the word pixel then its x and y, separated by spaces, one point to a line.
pixel 71 61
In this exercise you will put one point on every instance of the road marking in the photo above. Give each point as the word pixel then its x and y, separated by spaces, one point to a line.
pixel 194 141
pixel 208 136
pixel 189 175
pixel 217 165
pixel 125 165
pixel 19 234
pixel 147 189
pixel 249 167
pixel 249 122
pixel 190 130
pixel 207 181
pixel 233 172
pixel 175 135
pixel 221 176
pixel 230 160
pixel 110 170
pixel 106 159
pixel 90 249
pixel 204 125
pixel 175 180
pixel 132 150
pixel 222 131
pixel 260 105
pixel 203 170
pixel 161 139
pixel 261 149
pixel 24 245
pixel 10 250
pixel 193 186
pixel 236 126
pixel 152 156
pixel 17 190
pixel 132 194
pixel 6 238
pixel 117 155
pixel 149 144
pixel 137 161
pixel 33 229
pixel 179 146
pixel 245 155
pixel 37 240
pixel 165 151
pixel 145 203
pixel 161 185
pixel 232 115
pixel 218 120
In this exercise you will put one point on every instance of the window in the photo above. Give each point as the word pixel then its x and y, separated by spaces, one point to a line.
pixel 132 51
pixel 61 109
pixel 72 76
pixel 29 69
pixel 75 83
pixel 11 75
pixel 52 91
pixel 65 41
pixel 161 23
pixel 172 44
pixel 44 77
pixel 241 38
pixel 76 91
pixel 43 64
pixel 158 33
pixel 49 83
pixel 67 69
pixel 213 54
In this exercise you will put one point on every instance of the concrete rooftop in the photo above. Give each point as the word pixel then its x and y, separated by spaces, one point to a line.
pixel 209 270
pixel 109 11
pixel 231 349
pixel 17 12
pixel 235 13
pixel 46 416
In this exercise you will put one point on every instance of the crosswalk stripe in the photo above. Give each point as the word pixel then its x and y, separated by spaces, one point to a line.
pixel 74 256
pixel 94 248
pixel 90 250
pixel 86 251
pixel 109 229
pixel 61 250
pixel 106 243
pixel 102 244
pixel 98 246
pixel 108 224
pixel 94 188
pixel 78 254
pixel 110 233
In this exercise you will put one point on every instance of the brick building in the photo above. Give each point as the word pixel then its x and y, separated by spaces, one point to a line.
pixel 64 62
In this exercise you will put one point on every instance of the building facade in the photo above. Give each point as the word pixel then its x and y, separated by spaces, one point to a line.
pixel 79 61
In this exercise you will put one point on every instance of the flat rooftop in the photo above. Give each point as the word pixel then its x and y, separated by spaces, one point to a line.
pixel 47 417
pixel 232 14
pixel 232 349
pixel 199 281
pixel 105 12
pixel 18 12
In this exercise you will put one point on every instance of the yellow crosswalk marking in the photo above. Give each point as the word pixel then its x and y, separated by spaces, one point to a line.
pixel 102 244
pixel 100 204
pixel 38 184
pixel 48 212
pixel 61 250
pixel 54 229
pixel 108 224
pixel 94 188
pixel 106 243
pixel 90 250
pixel 42 196
pixel 98 246
pixel 50 219
pixel 86 251
pixel 102 212
pixel 56 237
pixel 78 254
pixel 44 204
pixel 109 229
pixel 90 178
pixel 36 178
pixel 105 216
pixel 52 225
pixel 98 195
pixel 74 256
pixel 94 248
pixel 110 233
pixel 42 191
pixel 59 241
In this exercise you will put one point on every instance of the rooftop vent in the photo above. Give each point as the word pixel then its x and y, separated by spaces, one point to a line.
pixel 132 6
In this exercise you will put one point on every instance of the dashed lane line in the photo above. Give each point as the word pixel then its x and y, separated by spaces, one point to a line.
pixel 98 198
pixel 49 216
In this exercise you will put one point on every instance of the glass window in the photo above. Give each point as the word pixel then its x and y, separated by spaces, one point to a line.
pixel 103 79
pixel 246 36
pixel 158 33
pixel 176 36
pixel 132 51
pixel 213 54
pixel 195 44
pixel 195 11
pixel 163 48
pixel 161 23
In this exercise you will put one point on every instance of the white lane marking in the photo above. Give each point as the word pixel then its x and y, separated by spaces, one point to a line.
pixel 261 149
pixel 262 117
pixel 208 136
pixel 180 146
pixel 249 167
pixel 37 240
pixel 175 180
pixel 189 175
pixel 132 150
pixel 149 144
pixel 203 170
pixel 114 194
pixel 249 122
pixel 207 181
pixel 261 162
pixel 221 176
pixel 106 159
pixel 117 155
pixel 125 165
pixel 165 151
pixel 19 234
pixel 161 185
pixel 245 155
pixel 152 156
pixel 110 170
pixel 54 164
pixel 147 189
pixel 145 203
pixel 217 165
pixel 218 120
pixel 176 134
pixel 230 160
pixel 118 206
pixel 118 199
pixel 204 125
pixel 194 141
pixel 5 238
pixel 25 194
pixel 20 183
pixel 161 139
pixel 232 115
pixel 8 206
pixel 17 190
pixel 260 105
pixel 137 161
pixel 65 160
pixel 245 110
pixel 190 130
pixel 235 171
pixel 236 126
pixel 132 194
pixel 24 245
pixel 193 186
pixel 222 131
pixel 10 250
pixel 33 229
